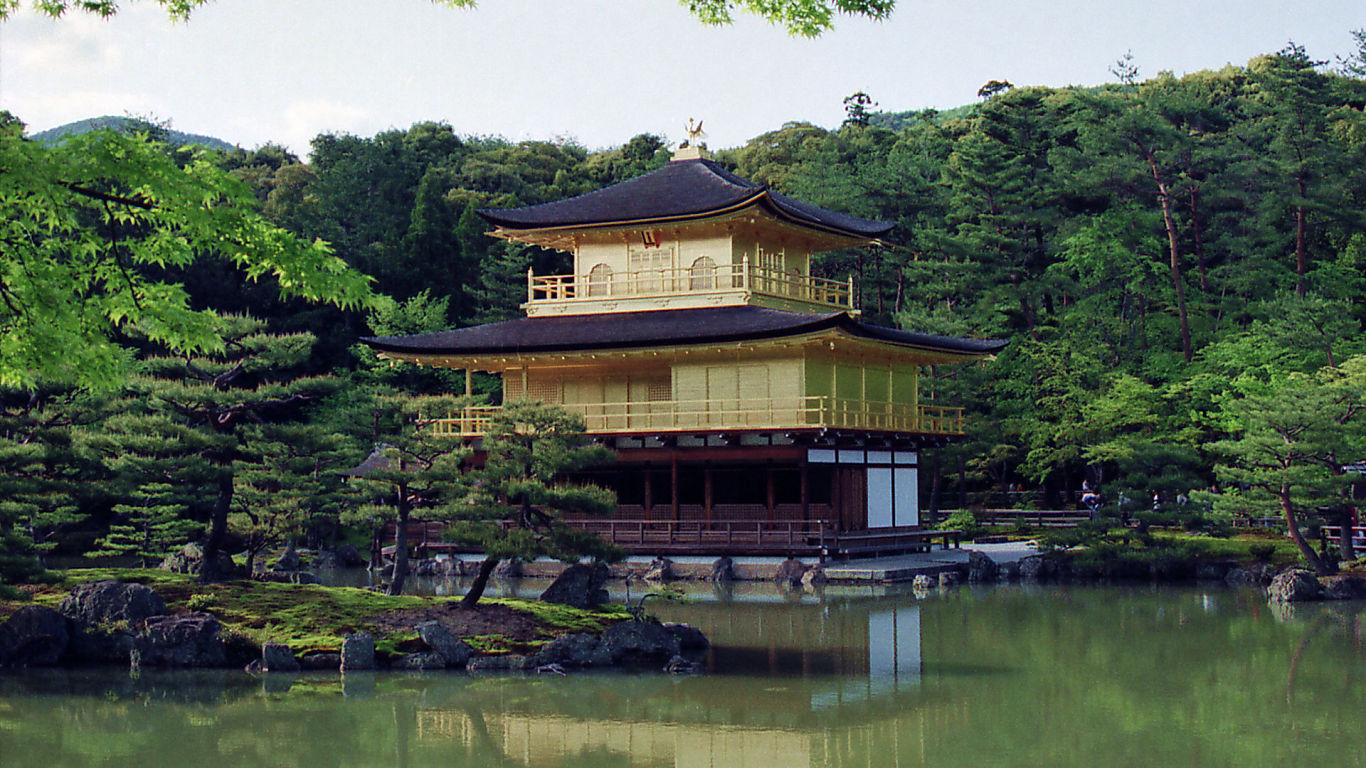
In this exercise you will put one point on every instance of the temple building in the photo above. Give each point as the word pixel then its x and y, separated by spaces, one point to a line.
pixel 751 410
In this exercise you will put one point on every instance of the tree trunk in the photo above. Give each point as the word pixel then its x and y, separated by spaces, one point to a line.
pixel 218 530
pixel 400 544
pixel 1293 527
pixel 481 580
pixel 1174 252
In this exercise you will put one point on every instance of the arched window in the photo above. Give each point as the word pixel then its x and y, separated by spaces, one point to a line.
pixel 600 280
pixel 702 275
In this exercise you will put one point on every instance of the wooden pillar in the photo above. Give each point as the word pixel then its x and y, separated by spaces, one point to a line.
pixel 805 484
pixel 673 486
pixel 469 383
pixel 768 491
pixel 649 492
pixel 706 491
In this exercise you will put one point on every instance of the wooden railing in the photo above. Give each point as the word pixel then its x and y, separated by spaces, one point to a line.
pixel 735 413
pixel 677 281
pixel 818 537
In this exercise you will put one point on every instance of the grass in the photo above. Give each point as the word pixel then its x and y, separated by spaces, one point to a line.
pixel 311 617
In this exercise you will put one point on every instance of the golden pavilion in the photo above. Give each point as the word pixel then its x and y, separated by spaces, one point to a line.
pixel 751 410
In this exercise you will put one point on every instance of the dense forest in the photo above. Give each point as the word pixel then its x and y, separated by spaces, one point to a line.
pixel 1179 264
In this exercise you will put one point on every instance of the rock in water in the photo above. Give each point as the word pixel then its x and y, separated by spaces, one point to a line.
pixel 640 642
pixel 33 636
pixel 981 569
pixel 276 657
pixel 358 651
pixel 579 649
pixel 111 602
pixel 790 573
pixel 181 640
pixel 580 586
pixel 421 662
pixel 456 652
pixel 922 582
pixel 1293 586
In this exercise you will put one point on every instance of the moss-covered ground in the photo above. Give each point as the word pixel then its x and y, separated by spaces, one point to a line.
pixel 310 617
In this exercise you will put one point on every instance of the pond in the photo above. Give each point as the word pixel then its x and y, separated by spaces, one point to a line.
pixel 1002 676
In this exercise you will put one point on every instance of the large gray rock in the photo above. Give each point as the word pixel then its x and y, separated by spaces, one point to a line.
pixel 1344 588
pixel 981 568
pixel 456 652
pixel 33 636
pixel 110 602
pixel 358 651
pixel 1033 568
pixel 813 577
pixel 510 568
pixel 1294 586
pixel 790 573
pixel 276 657
pixel 580 586
pixel 922 582
pixel 690 639
pixel 948 578
pixel 635 642
pixel 575 650
pixel 190 559
pixel 181 640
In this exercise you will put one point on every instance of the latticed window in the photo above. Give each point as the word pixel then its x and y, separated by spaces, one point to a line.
pixel 546 391
pixel 702 276
pixel 599 280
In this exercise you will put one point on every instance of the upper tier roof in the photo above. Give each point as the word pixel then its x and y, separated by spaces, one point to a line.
pixel 683 189
pixel 656 329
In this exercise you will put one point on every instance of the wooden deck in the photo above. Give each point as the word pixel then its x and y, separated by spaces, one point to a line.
pixel 773 538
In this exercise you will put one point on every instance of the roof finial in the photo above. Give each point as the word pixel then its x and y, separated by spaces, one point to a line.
pixel 691 148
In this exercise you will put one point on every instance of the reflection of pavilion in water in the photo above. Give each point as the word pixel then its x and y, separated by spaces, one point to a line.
pixel 855 671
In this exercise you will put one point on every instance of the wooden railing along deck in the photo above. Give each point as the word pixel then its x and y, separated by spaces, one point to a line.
pixel 813 538
pixel 735 414
pixel 679 281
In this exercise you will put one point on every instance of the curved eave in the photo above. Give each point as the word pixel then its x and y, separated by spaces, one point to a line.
pixel 561 236
pixel 831 331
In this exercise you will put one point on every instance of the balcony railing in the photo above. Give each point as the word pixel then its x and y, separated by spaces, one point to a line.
pixel 681 281
pixel 735 414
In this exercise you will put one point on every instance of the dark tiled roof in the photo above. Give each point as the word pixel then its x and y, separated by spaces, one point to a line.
pixel 656 329
pixel 681 189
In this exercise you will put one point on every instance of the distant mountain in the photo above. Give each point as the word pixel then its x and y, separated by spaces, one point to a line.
pixel 179 138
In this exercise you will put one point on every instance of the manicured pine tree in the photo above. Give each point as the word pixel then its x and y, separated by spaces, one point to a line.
pixel 150 525
pixel 414 472
pixel 202 410
pixel 513 505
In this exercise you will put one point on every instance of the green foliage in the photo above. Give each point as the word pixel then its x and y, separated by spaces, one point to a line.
pixel 90 222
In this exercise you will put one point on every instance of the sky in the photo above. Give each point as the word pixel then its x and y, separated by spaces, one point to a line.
pixel 600 71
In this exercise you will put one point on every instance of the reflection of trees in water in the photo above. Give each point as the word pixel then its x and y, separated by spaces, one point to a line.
pixel 1056 677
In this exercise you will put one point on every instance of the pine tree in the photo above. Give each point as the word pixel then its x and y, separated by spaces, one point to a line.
pixel 514 502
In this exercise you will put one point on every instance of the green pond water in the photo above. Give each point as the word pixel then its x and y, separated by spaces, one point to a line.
pixel 1008 676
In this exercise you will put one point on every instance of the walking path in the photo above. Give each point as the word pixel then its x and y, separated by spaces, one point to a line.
pixel 907 567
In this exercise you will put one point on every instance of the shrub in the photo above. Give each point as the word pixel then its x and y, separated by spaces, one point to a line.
pixel 1262 553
